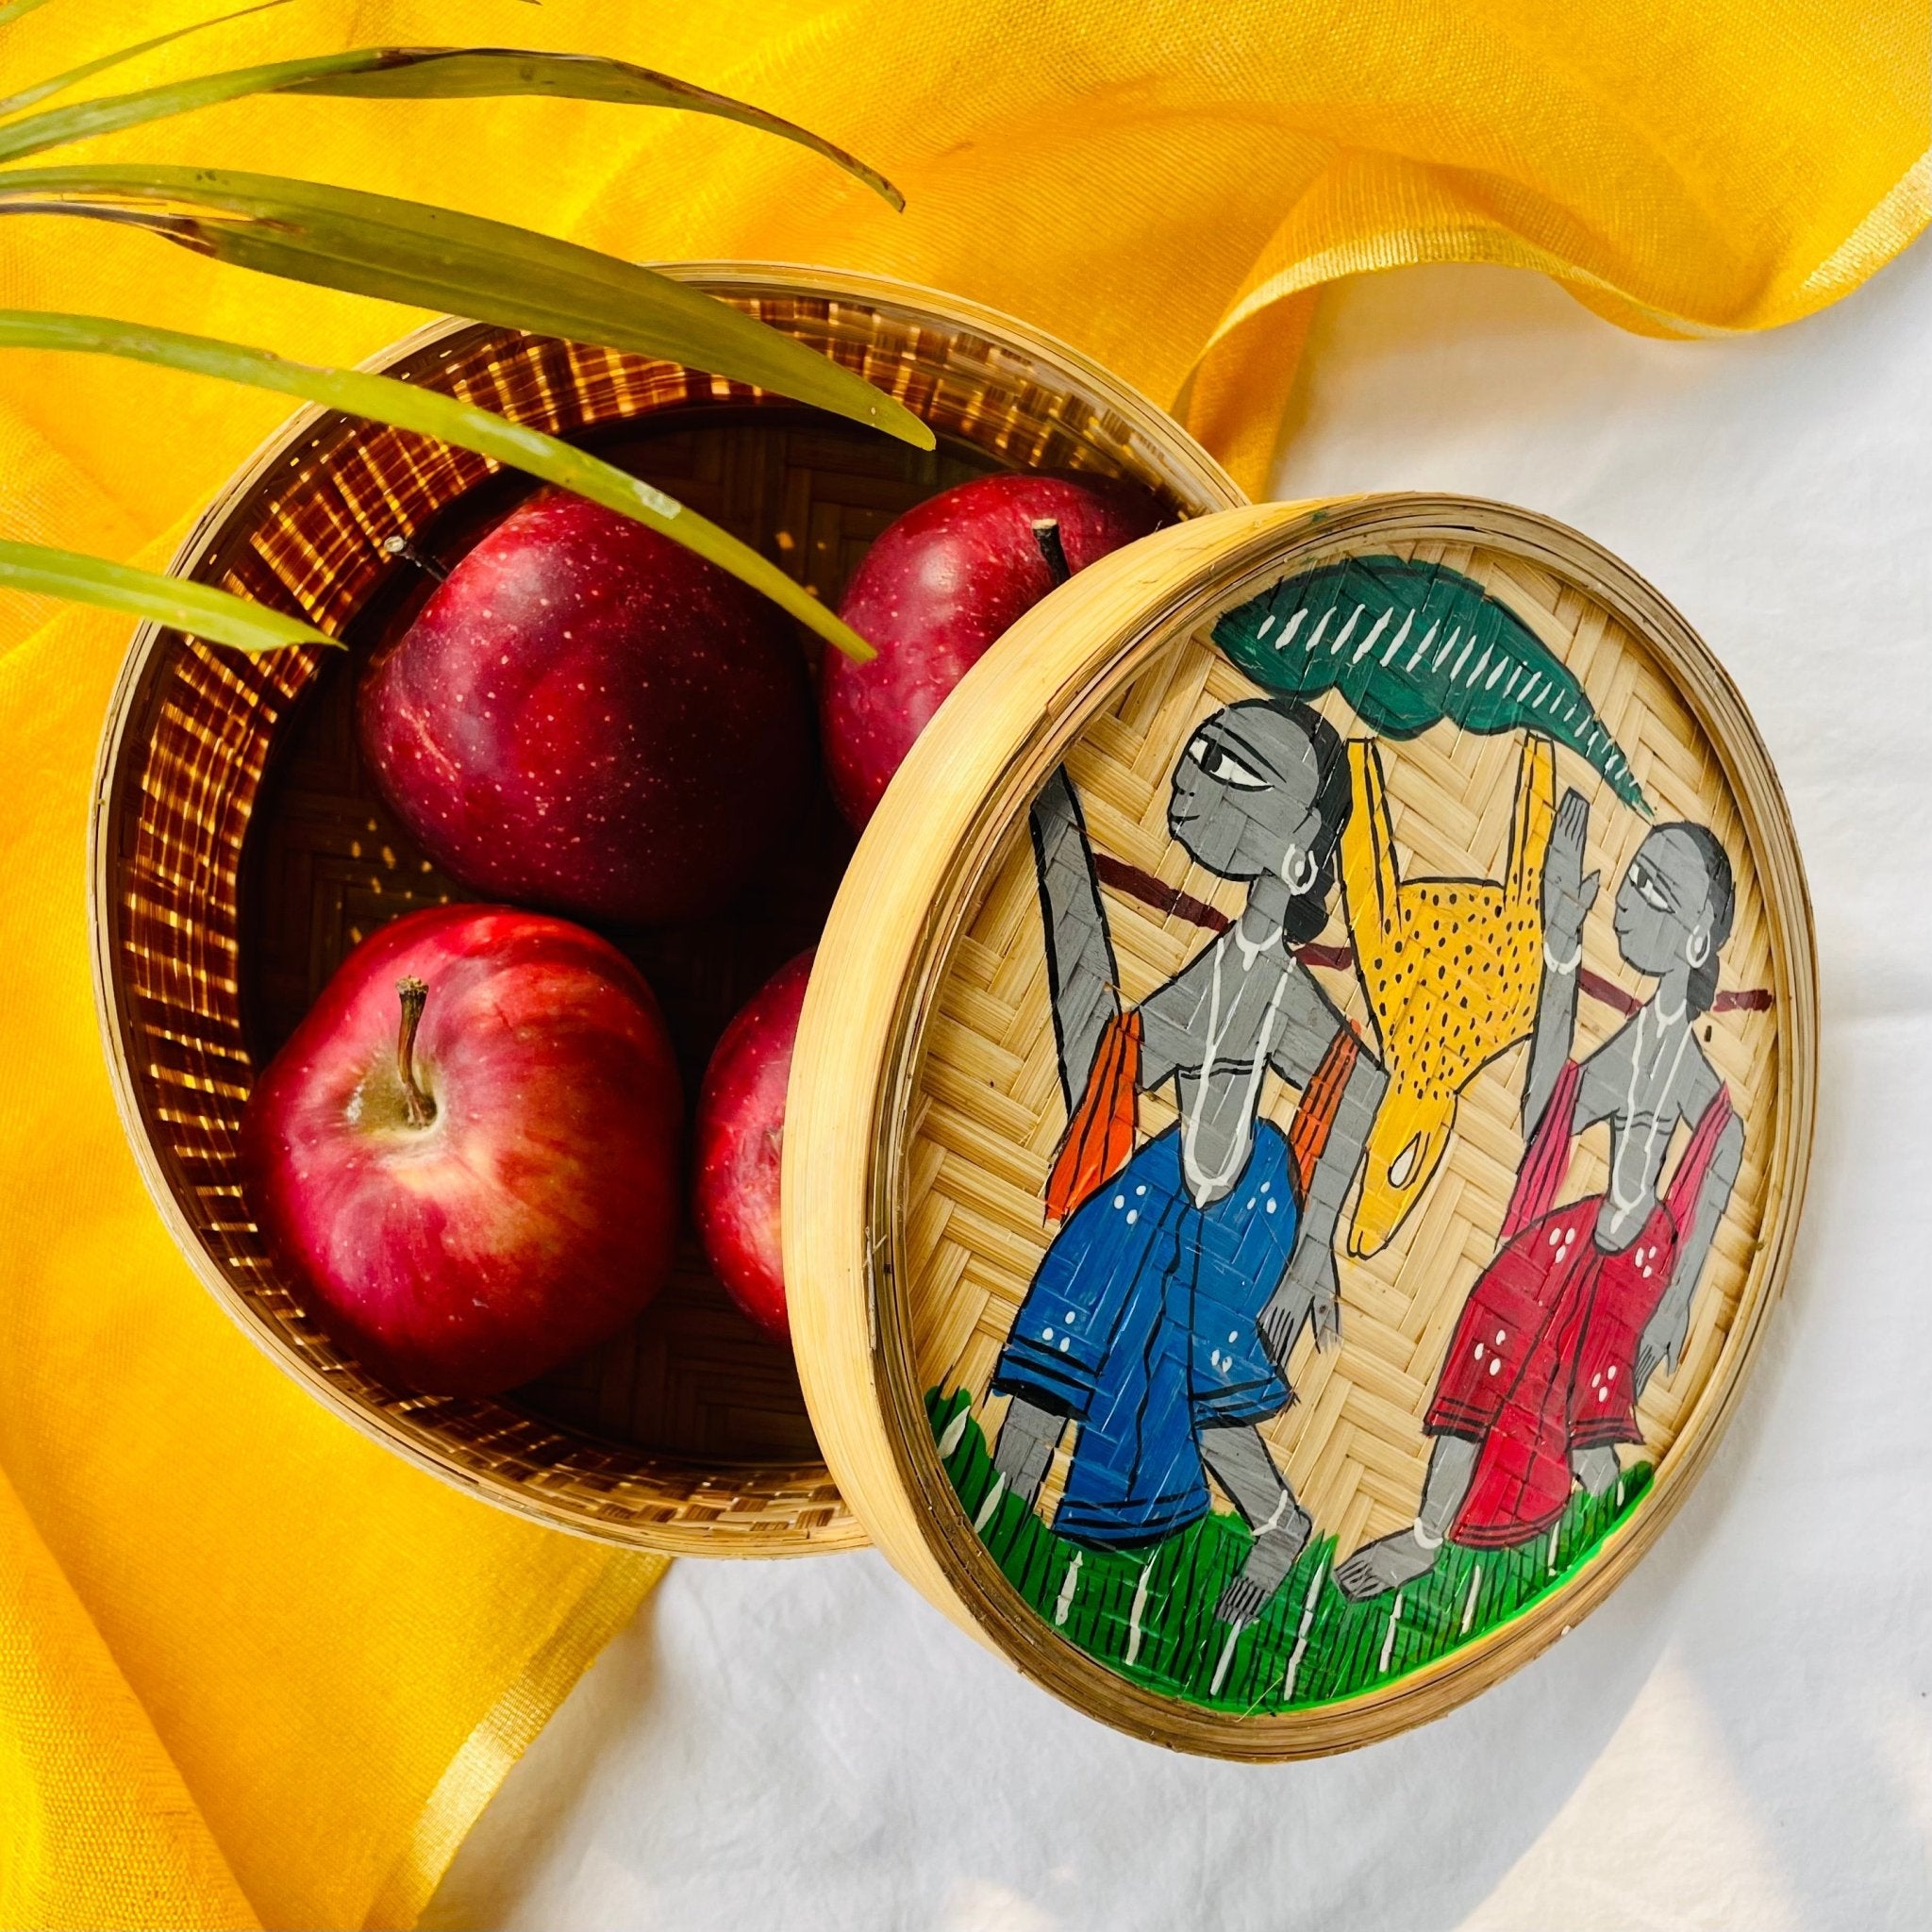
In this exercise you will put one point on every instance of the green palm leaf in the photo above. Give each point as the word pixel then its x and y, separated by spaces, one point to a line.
pixel 413 74
pixel 199 609
pixel 383 399
pixel 472 73
pixel 437 258
pixel 60 83
pixel 1411 645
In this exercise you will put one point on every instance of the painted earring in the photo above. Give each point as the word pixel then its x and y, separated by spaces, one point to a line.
pixel 1297 881
pixel 1698 951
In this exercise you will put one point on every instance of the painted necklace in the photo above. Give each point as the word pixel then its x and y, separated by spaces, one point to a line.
pixel 1625 1204
pixel 1201 1183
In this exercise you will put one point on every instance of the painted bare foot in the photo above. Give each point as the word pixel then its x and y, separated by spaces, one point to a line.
pixel 1272 1557
pixel 1596 1469
pixel 1385 1565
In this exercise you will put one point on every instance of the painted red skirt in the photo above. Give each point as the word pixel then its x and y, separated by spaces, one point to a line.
pixel 1543 1361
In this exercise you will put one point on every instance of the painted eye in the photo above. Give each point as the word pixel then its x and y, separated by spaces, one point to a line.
pixel 1230 771
pixel 1403 1166
pixel 1652 897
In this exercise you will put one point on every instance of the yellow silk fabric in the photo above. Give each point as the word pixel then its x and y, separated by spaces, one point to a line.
pixel 252 1667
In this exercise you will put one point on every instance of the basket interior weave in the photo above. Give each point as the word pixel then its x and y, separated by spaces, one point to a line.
pixel 242 851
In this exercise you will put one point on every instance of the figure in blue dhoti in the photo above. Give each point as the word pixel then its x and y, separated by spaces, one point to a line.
pixel 1162 1319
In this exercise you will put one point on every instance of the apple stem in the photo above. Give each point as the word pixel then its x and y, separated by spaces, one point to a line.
pixel 1046 533
pixel 401 547
pixel 421 1109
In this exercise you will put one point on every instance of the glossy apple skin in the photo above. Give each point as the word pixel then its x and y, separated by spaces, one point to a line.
pixel 739 1148
pixel 588 717
pixel 935 590
pixel 538 1211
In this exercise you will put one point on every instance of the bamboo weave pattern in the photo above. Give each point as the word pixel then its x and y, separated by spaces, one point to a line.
pixel 988 1110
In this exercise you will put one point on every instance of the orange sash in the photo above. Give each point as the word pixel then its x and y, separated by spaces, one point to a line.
pixel 1099 1140
pixel 1321 1101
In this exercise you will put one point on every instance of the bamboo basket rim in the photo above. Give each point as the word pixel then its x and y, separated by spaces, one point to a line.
pixel 890 941
pixel 907 300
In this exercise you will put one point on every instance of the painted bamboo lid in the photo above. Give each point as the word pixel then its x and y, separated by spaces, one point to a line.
pixel 1300 1115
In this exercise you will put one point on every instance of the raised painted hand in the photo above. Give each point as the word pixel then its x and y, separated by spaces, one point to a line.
pixel 1568 895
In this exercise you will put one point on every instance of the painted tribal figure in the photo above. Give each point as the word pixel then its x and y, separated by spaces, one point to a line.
pixel 1162 1319
pixel 1584 1301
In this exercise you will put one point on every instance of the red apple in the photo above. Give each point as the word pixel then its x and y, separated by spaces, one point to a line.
pixel 936 589
pixel 741 1136
pixel 587 716
pixel 468 1149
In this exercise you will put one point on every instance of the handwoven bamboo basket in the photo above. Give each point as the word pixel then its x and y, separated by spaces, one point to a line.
pixel 237 851
pixel 925 1114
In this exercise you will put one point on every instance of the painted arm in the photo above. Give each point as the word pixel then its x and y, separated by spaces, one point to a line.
pixel 1081 976
pixel 1335 1172
pixel 1567 898
pixel 1083 986
pixel 1310 1288
pixel 1662 1342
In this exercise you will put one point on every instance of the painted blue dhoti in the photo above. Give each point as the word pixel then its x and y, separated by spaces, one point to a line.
pixel 1141 1324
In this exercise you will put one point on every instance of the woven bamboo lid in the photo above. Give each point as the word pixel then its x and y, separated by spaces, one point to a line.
pixel 1468 1428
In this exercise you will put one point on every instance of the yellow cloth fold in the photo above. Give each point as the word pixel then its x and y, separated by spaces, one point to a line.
pixel 250 1663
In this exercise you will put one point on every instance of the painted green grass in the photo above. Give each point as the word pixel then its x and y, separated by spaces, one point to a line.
pixel 1149 1614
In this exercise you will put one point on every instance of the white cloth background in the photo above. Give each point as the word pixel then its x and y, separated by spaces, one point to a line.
pixel 1742 1737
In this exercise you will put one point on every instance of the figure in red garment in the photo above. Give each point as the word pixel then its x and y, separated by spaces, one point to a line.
pixel 1586 1300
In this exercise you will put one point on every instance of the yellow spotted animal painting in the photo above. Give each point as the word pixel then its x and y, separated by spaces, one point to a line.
pixel 1451 968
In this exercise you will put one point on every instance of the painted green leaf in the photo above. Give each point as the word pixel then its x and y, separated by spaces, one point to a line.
pixel 60 83
pixel 414 74
pixel 1411 645
pixel 437 258
pixel 199 609
pixel 383 399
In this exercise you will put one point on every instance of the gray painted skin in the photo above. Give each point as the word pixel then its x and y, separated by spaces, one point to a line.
pixel 1650 1075
pixel 1246 805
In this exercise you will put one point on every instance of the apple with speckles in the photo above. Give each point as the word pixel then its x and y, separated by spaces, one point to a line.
pixel 740 1145
pixel 467 1153
pixel 590 718
pixel 936 589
